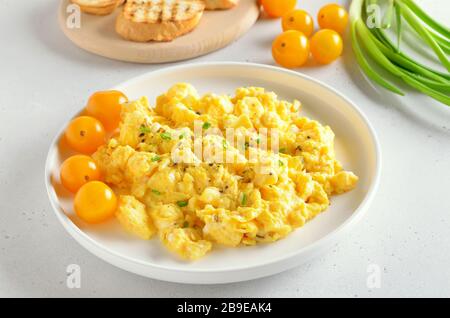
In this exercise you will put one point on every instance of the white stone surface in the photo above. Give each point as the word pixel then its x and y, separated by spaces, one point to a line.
pixel 44 79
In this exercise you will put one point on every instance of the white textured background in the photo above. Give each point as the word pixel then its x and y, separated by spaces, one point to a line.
pixel 44 79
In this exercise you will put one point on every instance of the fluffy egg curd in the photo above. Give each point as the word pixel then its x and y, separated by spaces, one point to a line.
pixel 194 203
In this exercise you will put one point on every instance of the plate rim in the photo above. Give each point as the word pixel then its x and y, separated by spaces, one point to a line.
pixel 321 243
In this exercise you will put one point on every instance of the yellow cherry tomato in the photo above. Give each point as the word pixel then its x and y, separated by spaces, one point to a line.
pixel 326 46
pixel 334 17
pixel 106 107
pixel 77 171
pixel 291 49
pixel 95 202
pixel 85 134
pixel 298 20
pixel 278 8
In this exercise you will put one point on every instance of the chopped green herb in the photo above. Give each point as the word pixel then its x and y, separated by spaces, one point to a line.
pixel 282 150
pixel 144 130
pixel 156 192
pixel 156 158
pixel 244 199
pixel 280 163
pixel 181 136
pixel 225 144
pixel 165 136
pixel 258 140
pixel 206 125
pixel 185 224
pixel 182 204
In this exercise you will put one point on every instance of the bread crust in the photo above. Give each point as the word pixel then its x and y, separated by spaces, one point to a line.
pixel 104 7
pixel 220 4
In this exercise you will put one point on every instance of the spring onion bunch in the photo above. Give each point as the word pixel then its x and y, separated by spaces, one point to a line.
pixel 373 46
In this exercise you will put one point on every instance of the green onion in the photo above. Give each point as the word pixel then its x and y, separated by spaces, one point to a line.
pixel 433 24
pixel 367 68
pixel 388 15
pixel 417 25
pixel 443 43
pixel 403 61
pixel 441 87
pixel 420 86
pixel 407 62
pixel 244 199
pixel 144 130
pixel 372 46
pixel 156 192
pixel 165 136
pixel 206 125
pixel 182 204
pixel 398 21
pixel 156 158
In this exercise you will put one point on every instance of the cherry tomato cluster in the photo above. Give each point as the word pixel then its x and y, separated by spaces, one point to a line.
pixel 293 47
pixel 94 200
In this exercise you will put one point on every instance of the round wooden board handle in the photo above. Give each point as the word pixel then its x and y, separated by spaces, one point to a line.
pixel 216 30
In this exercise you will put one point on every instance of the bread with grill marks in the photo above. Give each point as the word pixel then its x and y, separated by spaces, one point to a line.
pixel 158 20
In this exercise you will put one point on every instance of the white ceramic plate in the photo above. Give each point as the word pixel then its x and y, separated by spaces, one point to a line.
pixel 356 147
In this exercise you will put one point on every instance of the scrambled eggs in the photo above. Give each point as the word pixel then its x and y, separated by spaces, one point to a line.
pixel 193 204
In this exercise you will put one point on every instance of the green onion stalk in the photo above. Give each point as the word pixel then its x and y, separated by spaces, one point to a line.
pixel 373 46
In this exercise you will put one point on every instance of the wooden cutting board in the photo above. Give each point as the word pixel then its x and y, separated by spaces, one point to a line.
pixel 216 29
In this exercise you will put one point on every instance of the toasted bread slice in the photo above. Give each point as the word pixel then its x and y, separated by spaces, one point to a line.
pixel 158 20
pixel 220 4
pixel 98 7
